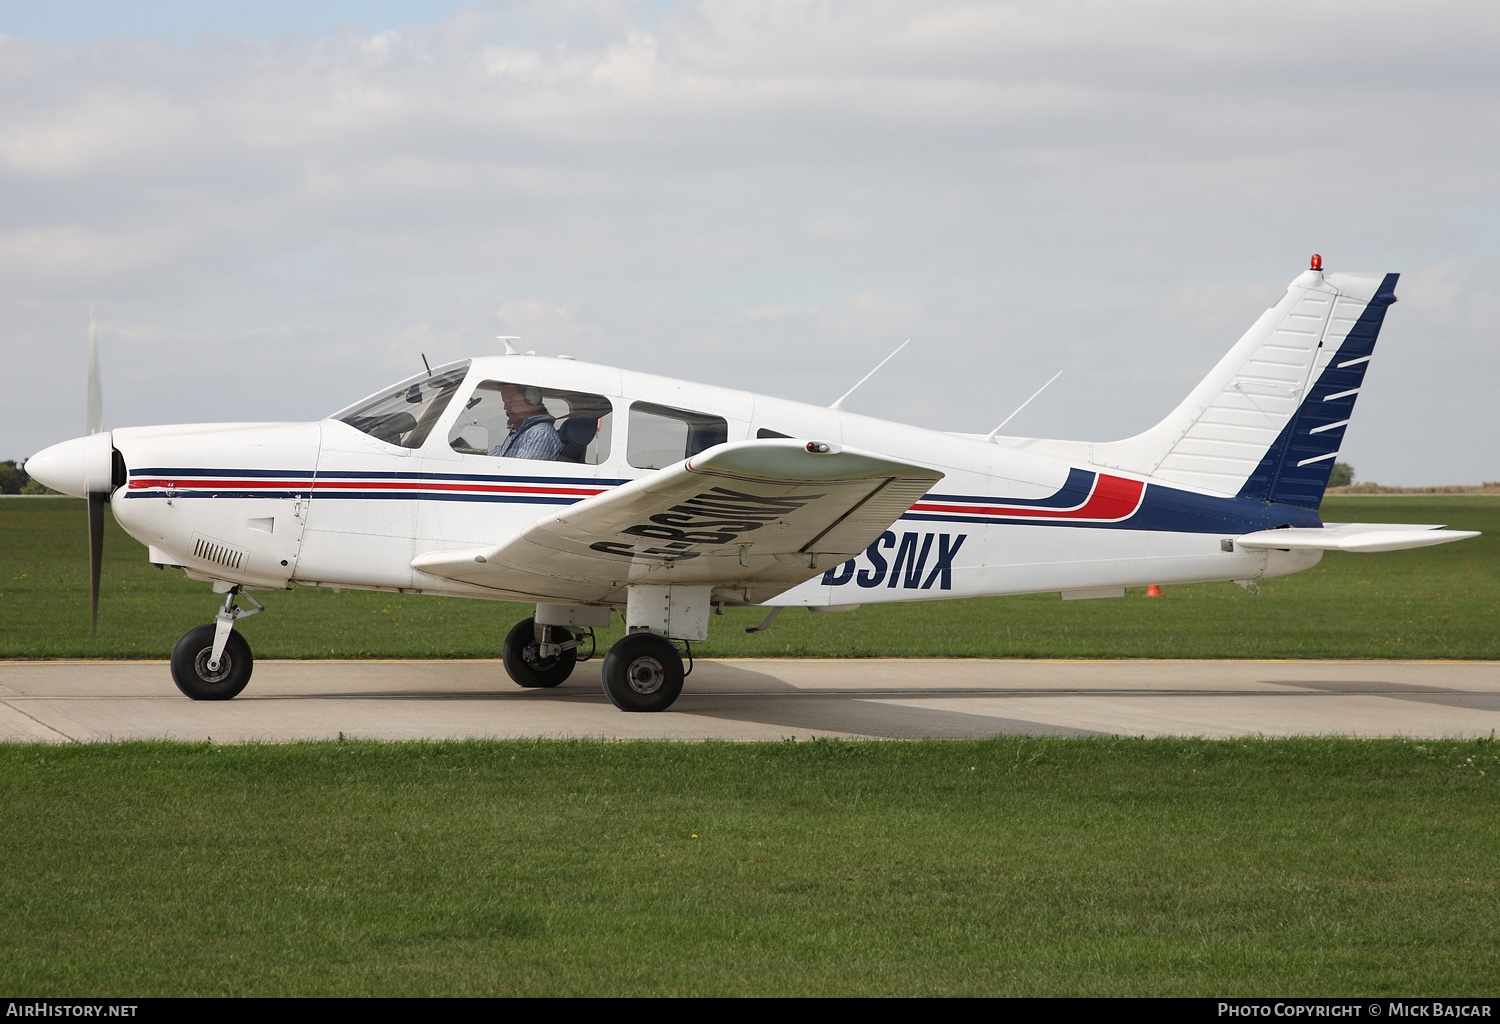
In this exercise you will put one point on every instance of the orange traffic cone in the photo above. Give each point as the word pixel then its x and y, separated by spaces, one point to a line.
pixel 1153 591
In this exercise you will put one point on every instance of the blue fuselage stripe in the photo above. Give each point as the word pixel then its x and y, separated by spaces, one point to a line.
pixel 1073 493
pixel 1164 510
pixel 180 473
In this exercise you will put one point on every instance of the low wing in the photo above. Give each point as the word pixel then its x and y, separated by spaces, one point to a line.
pixel 753 518
pixel 1354 537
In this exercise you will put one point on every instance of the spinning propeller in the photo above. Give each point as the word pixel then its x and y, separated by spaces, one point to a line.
pixel 86 467
pixel 97 495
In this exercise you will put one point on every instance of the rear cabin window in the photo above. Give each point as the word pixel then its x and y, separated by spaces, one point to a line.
pixel 661 436
pixel 522 421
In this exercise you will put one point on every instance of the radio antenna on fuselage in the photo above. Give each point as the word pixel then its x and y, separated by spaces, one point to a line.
pixel 994 433
pixel 510 349
pixel 839 404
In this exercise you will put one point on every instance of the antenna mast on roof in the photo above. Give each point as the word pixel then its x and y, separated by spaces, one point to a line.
pixel 839 403
pixel 994 433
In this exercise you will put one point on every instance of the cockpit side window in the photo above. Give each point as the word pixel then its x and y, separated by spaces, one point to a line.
pixel 522 421
pixel 405 414
pixel 661 436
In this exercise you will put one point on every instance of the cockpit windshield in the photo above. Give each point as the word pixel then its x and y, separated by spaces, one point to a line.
pixel 406 413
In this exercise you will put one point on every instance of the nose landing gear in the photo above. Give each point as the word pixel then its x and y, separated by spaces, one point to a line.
pixel 213 662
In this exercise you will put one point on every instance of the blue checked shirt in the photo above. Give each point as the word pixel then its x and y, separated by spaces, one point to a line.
pixel 533 438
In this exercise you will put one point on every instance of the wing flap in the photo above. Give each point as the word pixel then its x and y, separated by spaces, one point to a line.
pixel 1363 537
pixel 760 515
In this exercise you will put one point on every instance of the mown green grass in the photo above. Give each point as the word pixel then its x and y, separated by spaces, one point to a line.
pixel 998 867
pixel 1441 602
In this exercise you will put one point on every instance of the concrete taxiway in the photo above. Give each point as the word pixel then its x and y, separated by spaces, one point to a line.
pixel 764 699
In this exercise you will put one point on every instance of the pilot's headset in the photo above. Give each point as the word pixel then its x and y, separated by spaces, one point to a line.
pixel 531 393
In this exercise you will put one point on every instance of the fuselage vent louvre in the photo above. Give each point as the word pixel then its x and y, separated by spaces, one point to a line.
pixel 217 552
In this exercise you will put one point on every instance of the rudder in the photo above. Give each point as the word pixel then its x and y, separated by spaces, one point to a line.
pixel 1295 469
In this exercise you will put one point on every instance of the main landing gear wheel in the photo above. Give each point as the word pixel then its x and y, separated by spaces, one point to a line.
pixel 643 672
pixel 190 669
pixel 521 655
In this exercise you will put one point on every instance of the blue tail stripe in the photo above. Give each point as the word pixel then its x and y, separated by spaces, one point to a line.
pixel 1279 477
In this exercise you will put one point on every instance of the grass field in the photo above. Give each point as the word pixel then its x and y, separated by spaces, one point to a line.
pixel 1004 867
pixel 1441 602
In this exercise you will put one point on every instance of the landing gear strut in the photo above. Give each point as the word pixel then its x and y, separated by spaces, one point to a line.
pixel 213 662
pixel 643 670
pixel 539 656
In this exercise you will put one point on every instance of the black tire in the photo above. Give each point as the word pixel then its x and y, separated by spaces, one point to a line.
pixel 190 665
pixel 519 654
pixel 643 672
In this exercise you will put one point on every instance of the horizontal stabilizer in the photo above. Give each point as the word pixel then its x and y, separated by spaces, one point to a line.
pixel 1354 537
pixel 762 516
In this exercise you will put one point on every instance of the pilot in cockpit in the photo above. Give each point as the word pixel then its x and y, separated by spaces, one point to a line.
pixel 532 435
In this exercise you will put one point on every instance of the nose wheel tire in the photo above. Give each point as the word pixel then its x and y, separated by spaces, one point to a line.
pixel 643 672
pixel 190 669
pixel 523 661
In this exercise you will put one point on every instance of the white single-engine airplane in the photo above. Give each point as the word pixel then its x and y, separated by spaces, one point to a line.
pixel 591 490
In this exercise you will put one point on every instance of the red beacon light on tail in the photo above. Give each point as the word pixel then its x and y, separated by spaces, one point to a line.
pixel 1317 262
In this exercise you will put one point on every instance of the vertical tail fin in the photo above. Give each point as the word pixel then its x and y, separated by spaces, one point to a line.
pixel 1268 420
pixel 1294 470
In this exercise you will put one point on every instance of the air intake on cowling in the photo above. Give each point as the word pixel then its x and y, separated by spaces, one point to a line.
pixel 210 550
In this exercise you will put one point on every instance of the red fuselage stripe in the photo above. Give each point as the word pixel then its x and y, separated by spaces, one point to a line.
pixel 1112 498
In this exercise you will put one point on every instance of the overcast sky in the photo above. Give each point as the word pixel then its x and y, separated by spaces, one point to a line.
pixel 277 208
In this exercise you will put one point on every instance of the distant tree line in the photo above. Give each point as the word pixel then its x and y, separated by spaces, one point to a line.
pixel 1342 475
